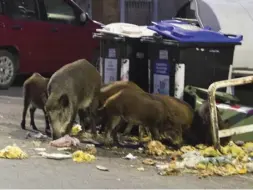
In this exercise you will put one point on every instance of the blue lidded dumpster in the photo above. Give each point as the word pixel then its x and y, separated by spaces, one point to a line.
pixel 184 54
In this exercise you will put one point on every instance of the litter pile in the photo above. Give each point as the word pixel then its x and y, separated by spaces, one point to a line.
pixel 12 152
pixel 202 160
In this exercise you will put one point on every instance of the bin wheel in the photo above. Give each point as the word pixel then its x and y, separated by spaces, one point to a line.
pixel 8 69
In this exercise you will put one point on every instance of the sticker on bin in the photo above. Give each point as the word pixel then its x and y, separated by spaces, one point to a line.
pixel 161 77
pixel 112 53
pixel 124 73
pixel 110 70
pixel 163 54
pixel 126 29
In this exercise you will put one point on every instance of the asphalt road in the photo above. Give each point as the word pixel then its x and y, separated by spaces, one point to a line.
pixel 38 172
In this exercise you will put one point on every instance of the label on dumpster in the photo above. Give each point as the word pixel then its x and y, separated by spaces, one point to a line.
pixel 124 73
pixel 237 108
pixel 112 53
pixel 161 77
pixel 110 70
pixel 163 54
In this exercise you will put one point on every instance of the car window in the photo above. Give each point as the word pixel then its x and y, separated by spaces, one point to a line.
pixel 59 11
pixel 22 9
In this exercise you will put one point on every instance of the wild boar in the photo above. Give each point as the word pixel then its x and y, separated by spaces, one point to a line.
pixel 200 131
pixel 71 90
pixel 35 96
pixel 178 119
pixel 134 107
pixel 110 89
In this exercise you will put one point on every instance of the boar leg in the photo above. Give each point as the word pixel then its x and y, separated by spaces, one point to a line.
pixel 47 130
pixel 93 112
pixel 155 132
pixel 128 129
pixel 26 106
pixel 32 123
pixel 82 114
pixel 110 125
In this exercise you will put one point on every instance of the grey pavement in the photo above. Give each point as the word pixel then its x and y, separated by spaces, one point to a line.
pixel 37 172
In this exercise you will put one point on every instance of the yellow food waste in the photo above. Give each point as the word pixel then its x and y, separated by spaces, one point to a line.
pixel 156 148
pixel 80 156
pixel 12 152
pixel 234 150
pixel 76 129
pixel 210 152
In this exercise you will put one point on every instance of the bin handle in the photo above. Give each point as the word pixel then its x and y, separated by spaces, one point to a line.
pixel 236 37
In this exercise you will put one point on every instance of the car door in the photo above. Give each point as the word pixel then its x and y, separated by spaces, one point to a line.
pixel 75 37
pixel 27 32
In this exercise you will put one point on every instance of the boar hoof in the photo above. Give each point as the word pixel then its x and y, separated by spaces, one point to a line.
pixel 48 132
pixel 34 127
pixel 23 125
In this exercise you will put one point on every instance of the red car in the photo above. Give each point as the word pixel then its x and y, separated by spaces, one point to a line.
pixel 42 36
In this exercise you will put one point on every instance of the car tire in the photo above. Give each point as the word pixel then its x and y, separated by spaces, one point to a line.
pixel 8 69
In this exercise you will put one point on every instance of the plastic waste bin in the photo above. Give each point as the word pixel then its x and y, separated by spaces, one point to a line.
pixel 185 54
pixel 123 56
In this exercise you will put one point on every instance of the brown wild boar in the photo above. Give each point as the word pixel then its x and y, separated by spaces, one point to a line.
pixel 110 89
pixel 71 90
pixel 134 107
pixel 200 131
pixel 35 96
pixel 179 118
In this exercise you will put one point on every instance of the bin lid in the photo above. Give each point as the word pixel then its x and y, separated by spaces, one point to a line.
pixel 127 30
pixel 185 32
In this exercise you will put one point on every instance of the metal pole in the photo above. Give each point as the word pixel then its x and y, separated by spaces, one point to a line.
pixel 122 10
pixel 155 10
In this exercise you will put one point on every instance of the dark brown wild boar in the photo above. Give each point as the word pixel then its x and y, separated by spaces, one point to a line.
pixel 135 107
pixel 35 96
pixel 200 131
pixel 110 89
pixel 71 90
pixel 179 118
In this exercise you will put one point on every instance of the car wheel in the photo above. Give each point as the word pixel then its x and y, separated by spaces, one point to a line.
pixel 8 68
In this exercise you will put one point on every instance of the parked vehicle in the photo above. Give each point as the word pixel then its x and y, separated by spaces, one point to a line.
pixel 42 36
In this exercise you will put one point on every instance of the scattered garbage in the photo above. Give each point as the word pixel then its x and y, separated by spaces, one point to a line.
pixel 38 135
pixel 36 143
pixel 187 148
pixel 156 148
pixel 141 169
pixel 140 150
pixel 64 149
pixel 149 161
pixel 239 143
pixel 102 168
pixel 249 167
pixel 12 152
pixel 234 150
pixel 55 156
pixel 76 129
pixel 66 141
pixel 90 148
pixel 80 156
pixel 40 149
pixel 130 157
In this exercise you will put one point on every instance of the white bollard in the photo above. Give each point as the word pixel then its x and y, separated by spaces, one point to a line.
pixel 179 81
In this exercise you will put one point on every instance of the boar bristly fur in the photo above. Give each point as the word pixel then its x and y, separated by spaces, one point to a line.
pixel 134 107
pixel 72 88
pixel 35 96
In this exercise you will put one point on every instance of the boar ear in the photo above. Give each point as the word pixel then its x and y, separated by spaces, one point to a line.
pixel 64 100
